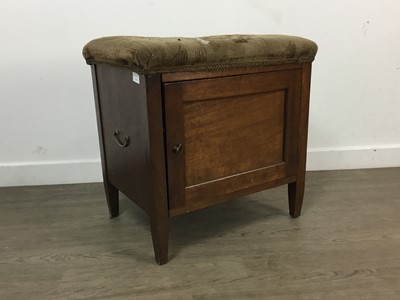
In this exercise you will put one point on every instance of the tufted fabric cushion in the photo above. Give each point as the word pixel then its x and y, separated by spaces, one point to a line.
pixel 148 55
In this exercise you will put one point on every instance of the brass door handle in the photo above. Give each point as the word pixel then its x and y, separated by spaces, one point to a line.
pixel 125 140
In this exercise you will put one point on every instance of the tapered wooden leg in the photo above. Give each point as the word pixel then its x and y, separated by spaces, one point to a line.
pixel 159 234
pixel 112 199
pixel 296 193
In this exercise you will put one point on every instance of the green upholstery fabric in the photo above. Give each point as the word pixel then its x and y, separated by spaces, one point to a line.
pixel 147 55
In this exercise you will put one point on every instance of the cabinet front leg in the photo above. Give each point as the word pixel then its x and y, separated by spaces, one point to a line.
pixel 159 234
pixel 296 194
pixel 112 196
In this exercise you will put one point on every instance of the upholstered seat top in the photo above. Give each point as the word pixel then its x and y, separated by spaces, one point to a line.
pixel 148 55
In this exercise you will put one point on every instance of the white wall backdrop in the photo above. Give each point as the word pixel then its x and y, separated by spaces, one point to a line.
pixel 47 117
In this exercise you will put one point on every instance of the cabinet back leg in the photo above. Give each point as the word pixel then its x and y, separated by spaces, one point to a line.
pixel 296 194
pixel 160 235
pixel 112 196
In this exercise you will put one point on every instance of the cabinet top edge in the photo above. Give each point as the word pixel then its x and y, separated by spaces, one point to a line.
pixel 182 76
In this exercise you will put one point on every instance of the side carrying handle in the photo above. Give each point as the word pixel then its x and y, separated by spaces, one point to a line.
pixel 125 141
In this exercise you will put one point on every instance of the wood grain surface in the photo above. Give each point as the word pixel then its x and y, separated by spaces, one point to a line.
pixel 123 107
pixel 225 137
pixel 237 133
pixel 57 242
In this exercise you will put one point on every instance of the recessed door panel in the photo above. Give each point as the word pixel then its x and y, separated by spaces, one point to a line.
pixel 228 136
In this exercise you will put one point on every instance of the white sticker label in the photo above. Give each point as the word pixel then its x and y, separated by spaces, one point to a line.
pixel 135 77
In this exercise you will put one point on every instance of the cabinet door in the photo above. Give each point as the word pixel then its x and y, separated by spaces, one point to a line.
pixel 230 136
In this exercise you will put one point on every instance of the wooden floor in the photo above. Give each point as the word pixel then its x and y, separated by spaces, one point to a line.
pixel 56 242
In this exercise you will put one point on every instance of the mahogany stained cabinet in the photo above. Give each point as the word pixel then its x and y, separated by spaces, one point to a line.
pixel 185 123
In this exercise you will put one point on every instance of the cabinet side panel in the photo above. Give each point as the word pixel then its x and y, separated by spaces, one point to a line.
pixel 125 118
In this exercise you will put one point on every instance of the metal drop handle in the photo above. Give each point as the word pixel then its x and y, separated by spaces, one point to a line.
pixel 177 148
pixel 124 142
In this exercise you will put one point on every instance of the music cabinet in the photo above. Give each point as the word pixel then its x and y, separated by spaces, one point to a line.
pixel 185 123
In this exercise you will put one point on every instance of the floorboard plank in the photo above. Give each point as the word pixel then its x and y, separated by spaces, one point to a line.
pixel 57 242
